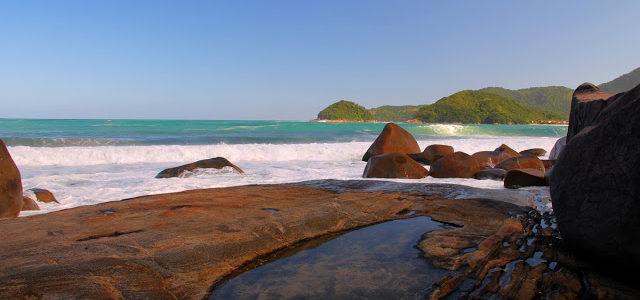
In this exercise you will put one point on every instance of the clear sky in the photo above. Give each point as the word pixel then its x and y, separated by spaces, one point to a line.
pixel 287 60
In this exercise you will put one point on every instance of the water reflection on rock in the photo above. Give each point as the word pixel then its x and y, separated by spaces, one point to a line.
pixel 379 261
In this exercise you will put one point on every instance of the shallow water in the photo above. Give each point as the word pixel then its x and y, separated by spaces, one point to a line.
pixel 376 262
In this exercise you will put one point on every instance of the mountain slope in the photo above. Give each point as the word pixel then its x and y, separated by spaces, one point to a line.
pixel 622 83
pixel 345 110
pixel 480 107
pixel 391 113
pixel 549 98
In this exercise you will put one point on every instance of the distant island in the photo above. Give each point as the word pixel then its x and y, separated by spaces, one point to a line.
pixel 491 105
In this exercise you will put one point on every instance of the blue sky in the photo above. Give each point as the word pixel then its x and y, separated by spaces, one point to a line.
pixel 287 60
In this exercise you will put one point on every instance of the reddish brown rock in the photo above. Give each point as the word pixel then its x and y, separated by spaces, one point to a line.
pixel 534 152
pixel 586 104
pixel 178 245
pixel 29 204
pixel 392 139
pixel 521 162
pixel 43 195
pixel 211 163
pixel 548 164
pixel 455 165
pixel 506 149
pixel 10 185
pixel 432 153
pixel 517 178
pixel 394 165
pixel 594 184
pixel 489 159
pixel 495 174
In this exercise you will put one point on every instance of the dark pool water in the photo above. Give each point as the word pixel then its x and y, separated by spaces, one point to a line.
pixel 375 262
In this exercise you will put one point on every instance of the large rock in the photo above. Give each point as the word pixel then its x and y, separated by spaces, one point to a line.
pixel 518 178
pixel 215 163
pixel 506 149
pixel 394 165
pixel 489 159
pixel 586 104
pixel 494 174
pixel 534 152
pixel 432 153
pixel 29 204
pixel 557 148
pixel 521 162
pixel 10 185
pixel 594 184
pixel 392 139
pixel 455 165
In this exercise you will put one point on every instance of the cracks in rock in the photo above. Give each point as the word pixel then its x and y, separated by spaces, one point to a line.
pixel 106 235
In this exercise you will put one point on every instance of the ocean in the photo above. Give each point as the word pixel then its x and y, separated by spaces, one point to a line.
pixel 86 162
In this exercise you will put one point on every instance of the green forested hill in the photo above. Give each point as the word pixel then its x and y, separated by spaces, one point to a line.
pixel 622 83
pixel 549 98
pixel 390 113
pixel 480 107
pixel 345 110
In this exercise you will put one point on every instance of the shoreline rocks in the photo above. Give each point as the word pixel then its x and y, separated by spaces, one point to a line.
pixel 211 163
pixel 393 138
pixel 455 165
pixel 394 165
pixel 11 200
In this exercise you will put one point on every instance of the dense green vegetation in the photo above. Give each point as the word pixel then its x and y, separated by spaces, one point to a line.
pixel 345 110
pixel 622 83
pixel 390 113
pixel 549 98
pixel 479 107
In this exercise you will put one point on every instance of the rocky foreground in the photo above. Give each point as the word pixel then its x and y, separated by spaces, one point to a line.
pixel 179 245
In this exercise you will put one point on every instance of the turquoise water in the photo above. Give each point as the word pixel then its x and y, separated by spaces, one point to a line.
pixel 55 133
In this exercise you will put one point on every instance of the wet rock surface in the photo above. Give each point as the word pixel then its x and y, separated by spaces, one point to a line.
pixel 211 163
pixel 524 258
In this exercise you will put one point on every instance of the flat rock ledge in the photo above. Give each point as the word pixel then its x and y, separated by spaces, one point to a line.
pixel 179 245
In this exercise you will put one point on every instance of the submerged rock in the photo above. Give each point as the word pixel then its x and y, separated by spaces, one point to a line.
pixel 455 165
pixel 10 185
pixel 211 163
pixel 393 138
pixel 594 184
pixel 394 165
